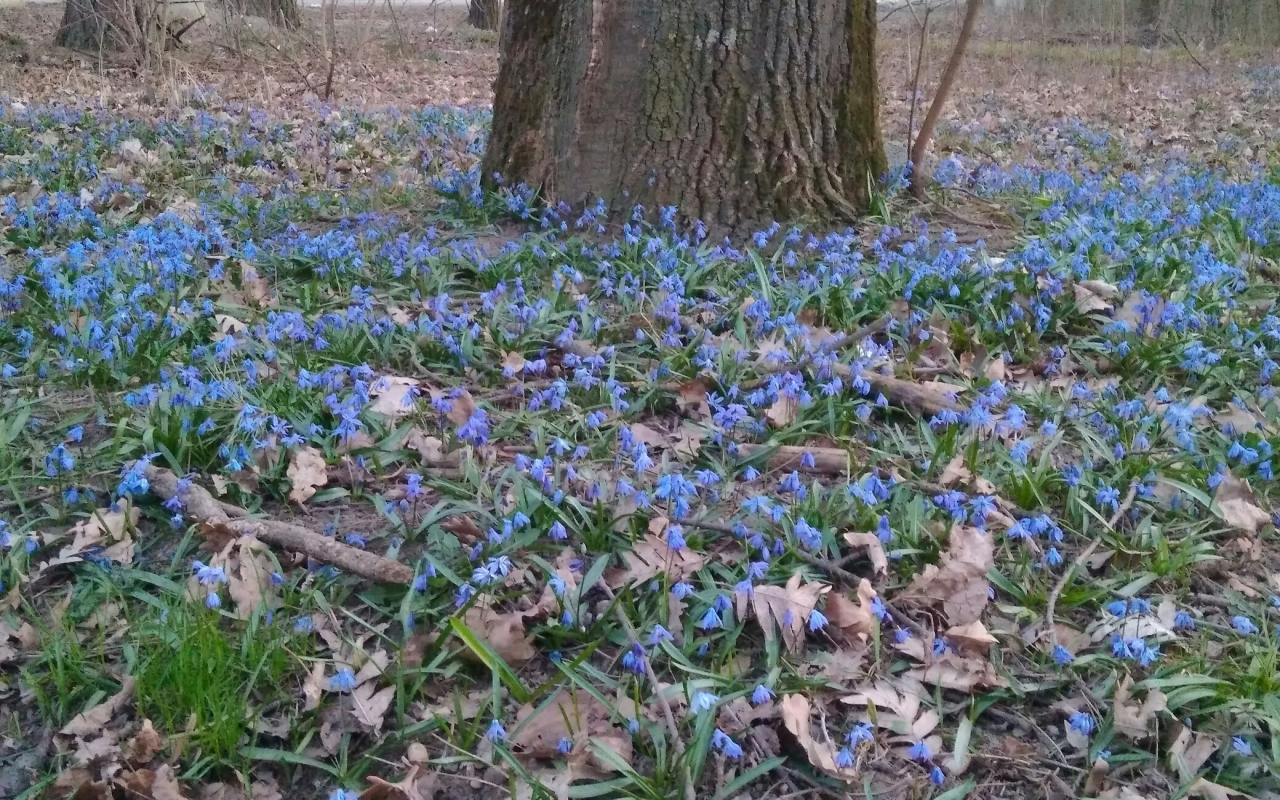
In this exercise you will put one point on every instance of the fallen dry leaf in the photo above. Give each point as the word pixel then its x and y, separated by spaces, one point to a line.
pixel 265 789
pixel 783 412
pixel 144 745
pixel 1189 752
pixel 1131 719
pixel 1089 300
pixel 464 527
pixel 369 704
pixel 643 433
pixel 875 550
pixel 411 787
pixel 165 786
pixel 651 557
pixel 973 637
pixel 313 687
pixel 1239 505
pixel 785 607
pixel 504 633
pixel 960 583
pixel 795 710
pixel 1215 791
pixel 950 670
pixel 1236 421
pixel 855 622
pixel 692 399
pixel 956 473
pixel 901 711
pixel 95 719
pixel 393 396
pixel 460 408
pixel 307 471
pixel 249 571
pixel 513 361
pixel 577 716
pixel 104 529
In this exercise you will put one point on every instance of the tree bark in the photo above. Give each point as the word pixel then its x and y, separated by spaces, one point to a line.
pixel 484 14
pixel 95 25
pixel 734 111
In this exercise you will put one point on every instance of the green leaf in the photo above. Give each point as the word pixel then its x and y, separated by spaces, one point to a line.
pixel 490 659
pixel 286 757
pixel 959 792
pixel 732 788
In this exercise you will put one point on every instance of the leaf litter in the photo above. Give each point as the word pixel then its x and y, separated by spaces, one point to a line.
pixel 964 584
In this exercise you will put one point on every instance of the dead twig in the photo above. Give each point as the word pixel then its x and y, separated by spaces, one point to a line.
pixel 202 507
pixel 1183 42
pixel 1052 601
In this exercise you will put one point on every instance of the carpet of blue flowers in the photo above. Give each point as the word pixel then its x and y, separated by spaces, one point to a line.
pixel 813 511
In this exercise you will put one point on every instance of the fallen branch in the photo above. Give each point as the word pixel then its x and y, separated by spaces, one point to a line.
pixel 826 460
pixel 904 394
pixel 201 506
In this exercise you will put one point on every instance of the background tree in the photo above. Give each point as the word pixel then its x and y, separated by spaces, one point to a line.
pixel 736 111
pixel 919 178
pixel 285 13
pixel 99 25
pixel 484 14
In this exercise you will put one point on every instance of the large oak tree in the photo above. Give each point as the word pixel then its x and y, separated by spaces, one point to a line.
pixel 736 111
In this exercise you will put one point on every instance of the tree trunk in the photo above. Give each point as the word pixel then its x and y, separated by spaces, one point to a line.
pixel 484 14
pixel 1148 27
pixel 284 13
pixel 919 177
pixel 94 25
pixel 1218 20
pixel 735 111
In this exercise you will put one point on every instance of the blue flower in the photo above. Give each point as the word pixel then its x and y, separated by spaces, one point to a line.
pixel 710 620
pixel 342 681
pixel 936 776
pixel 1241 746
pixel 703 702
pixel 761 695
pixel 496 733
pixel 1244 625
pixel 1082 723
pixel 844 758
pixel 919 752
pixel 859 733
pixel 817 621
pixel 564 746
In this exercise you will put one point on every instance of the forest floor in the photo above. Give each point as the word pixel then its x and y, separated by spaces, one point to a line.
pixel 974 499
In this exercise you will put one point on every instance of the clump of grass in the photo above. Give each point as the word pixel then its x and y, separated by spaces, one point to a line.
pixel 198 671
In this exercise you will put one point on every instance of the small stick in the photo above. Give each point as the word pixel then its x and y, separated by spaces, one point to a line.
pixel 853 580
pixel 670 718
pixel 201 506
pixel 1052 603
